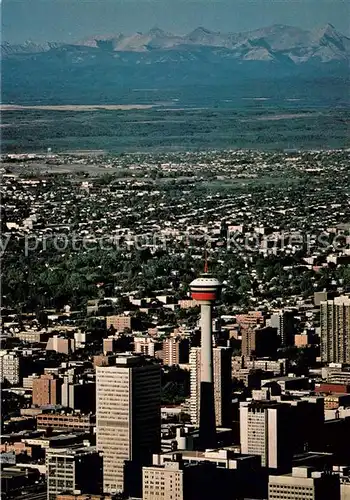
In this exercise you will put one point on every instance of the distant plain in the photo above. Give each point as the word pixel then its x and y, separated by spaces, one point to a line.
pixel 158 129
pixel 259 115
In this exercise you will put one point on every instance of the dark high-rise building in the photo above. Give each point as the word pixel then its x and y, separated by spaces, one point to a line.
pixel 259 342
pixel 335 330
pixel 222 380
pixel 285 323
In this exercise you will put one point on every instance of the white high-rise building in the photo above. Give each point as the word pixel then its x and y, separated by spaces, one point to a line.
pixel 127 416
pixel 222 385
pixel 10 363
pixel 264 431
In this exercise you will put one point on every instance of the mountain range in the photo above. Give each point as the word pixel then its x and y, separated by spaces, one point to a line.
pixel 101 64
pixel 277 43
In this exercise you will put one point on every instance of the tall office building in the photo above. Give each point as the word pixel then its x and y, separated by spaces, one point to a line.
pixel 73 470
pixel 127 416
pixel 335 330
pixel 284 322
pixel 265 430
pixel 276 429
pixel 222 375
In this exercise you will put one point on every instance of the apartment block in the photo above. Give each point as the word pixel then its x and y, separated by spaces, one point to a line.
pixel 163 483
pixel 259 342
pixel 222 385
pixel 175 351
pixel 120 322
pixel 32 337
pixel 61 344
pixel 146 346
pixel 250 320
pixel 46 390
pixel 10 367
pixel 187 303
pixel 335 330
pixel 277 367
pixel 336 374
pixel 110 344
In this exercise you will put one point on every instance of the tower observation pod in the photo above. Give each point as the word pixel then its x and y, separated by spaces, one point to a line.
pixel 205 290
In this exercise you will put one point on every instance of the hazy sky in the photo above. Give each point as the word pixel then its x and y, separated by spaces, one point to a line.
pixel 70 20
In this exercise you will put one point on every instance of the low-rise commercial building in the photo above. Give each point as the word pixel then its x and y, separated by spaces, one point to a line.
pixel 65 421
pixel 304 484
pixel 73 470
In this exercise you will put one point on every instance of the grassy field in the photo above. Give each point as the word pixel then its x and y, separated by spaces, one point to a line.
pixel 261 126
pixel 235 185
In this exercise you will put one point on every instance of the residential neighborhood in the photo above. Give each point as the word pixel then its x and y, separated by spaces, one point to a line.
pixel 125 265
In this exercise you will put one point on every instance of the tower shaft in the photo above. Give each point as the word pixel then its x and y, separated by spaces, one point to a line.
pixel 206 343
pixel 207 430
pixel 205 290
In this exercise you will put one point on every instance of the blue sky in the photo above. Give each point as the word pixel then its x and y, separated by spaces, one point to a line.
pixel 71 20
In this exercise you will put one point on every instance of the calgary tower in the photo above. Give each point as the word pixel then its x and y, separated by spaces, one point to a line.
pixel 205 290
